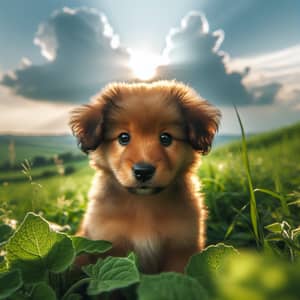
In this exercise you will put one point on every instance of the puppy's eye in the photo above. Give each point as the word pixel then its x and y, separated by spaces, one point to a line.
pixel 124 138
pixel 165 139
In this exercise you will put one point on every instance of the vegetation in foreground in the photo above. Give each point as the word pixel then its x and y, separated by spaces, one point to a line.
pixel 274 167
pixel 38 265
pixel 253 196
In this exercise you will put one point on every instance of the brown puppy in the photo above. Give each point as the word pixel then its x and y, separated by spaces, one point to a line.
pixel 145 141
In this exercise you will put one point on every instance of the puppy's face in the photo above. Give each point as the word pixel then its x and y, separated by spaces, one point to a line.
pixel 145 135
pixel 145 142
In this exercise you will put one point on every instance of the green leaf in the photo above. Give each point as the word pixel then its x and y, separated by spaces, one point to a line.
pixel 274 227
pixel 132 256
pixel 205 265
pixel 277 196
pixel 9 283
pixel 254 216
pixel 83 245
pixel 170 286
pixel 5 232
pixel 254 275
pixel 110 274
pixel 36 249
pixel 43 291
pixel 235 220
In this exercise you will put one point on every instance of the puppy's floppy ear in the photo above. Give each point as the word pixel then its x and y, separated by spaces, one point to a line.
pixel 202 120
pixel 86 123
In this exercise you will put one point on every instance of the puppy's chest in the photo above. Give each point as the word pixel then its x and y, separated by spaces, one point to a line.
pixel 142 234
pixel 145 231
pixel 149 250
pixel 142 231
pixel 147 239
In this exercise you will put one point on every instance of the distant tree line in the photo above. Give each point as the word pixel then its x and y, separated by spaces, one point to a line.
pixel 40 161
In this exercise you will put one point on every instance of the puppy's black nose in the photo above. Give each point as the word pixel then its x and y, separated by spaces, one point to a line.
pixel 143 171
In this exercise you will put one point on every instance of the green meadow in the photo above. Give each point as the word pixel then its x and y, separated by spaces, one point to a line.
pixel 274 163
pixel 252 190
pixel 275 171
pixel 28 147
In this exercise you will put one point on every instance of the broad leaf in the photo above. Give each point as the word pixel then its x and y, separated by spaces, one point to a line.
pixel 132 257
pixel 83 245
pixel 170 286
pixel 35 249
pixel 204 265
pixel 9 283
pixel 110 274
pixel 43 291
pixel 254 276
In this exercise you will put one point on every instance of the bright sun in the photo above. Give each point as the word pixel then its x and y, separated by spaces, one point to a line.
pixel 144 64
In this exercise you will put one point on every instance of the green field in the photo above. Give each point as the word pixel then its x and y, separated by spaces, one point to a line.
pixel 26 147
pixel 263 217
pixel 275 165
pixel 60 198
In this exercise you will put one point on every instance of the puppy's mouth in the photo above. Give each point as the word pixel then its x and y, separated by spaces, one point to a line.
pixel 145 190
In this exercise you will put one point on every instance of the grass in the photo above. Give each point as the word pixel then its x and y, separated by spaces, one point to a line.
pixel 267 191
pixel 254 216
pixel 275 168
pixel 252 189
pixel 61 199
pixel 36 172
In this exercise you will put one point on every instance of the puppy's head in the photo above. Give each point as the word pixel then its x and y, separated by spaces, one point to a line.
pixel 145 135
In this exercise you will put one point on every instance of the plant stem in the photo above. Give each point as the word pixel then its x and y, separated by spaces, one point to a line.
pixel 75 286
pixel 254 216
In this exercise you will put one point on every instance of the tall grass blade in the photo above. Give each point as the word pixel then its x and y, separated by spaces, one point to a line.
pixel 255 221
pixel 277 196
pixel 232 225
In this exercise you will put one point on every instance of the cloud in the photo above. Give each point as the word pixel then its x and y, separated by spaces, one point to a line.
pixel 83 54
pixel 194 57
pixel 258 118
pixel 265 94
pixel 23 116
pixel 281 67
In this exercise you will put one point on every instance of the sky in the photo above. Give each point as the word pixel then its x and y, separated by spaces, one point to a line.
pixel 57 54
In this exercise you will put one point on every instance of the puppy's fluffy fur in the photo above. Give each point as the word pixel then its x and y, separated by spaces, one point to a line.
pixel 162 219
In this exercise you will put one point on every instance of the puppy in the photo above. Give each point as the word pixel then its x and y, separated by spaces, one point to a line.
pixel 145 141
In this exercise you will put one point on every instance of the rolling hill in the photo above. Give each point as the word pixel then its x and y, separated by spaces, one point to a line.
pixel 27 147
